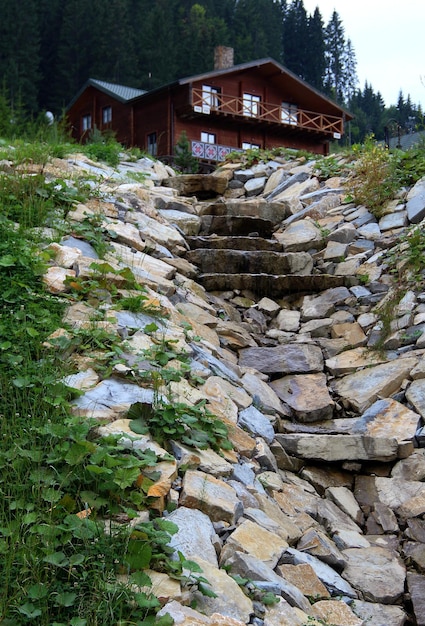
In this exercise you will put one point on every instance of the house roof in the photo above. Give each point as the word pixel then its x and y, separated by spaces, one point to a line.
pixel 119 92
pixel 271 70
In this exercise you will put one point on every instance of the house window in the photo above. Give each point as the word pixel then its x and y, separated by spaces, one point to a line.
pixel 289 113
pixel 86 122
pixel 107 115
pixel 246 145
pixel 208 137
pixel 251 104
pixel 152 144
pixel 210 96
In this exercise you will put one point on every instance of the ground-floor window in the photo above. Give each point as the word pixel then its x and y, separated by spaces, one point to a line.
pixel 86 122
pixel 247 145
pixel 107 115
pixel 152 144
pixel 208 137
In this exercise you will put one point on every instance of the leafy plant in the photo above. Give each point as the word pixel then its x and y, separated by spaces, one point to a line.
pixel 103 147
pixel 193 425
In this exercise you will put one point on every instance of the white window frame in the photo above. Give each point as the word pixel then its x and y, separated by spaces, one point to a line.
pixel 247 145
pixel 106 115
pixel 152 144
pixel 289 113
pixel 210 96
pixel 207 137
pixel 251 104
pixel 86 122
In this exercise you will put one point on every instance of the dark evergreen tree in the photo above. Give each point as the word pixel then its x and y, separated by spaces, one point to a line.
pixel 316 62
pixel 75 51
pixel 112 39
pixel 199 34
pixel 256 30
pixel 295 36
pixel 50 21
pixel 335 58
pixel 350 79
pixel 20 52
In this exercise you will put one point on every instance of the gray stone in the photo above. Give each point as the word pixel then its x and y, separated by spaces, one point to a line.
pixel 292 358
pixel 299 236
pixel 195 536
pixel 323 305
pixel 256 423
pixel 361 389
pixel 416 586
pixel 333 448
pixel 416 202
pixel 378 573
pixel 253 568
pixel 335 584
pixel 307 395
pixel 379 614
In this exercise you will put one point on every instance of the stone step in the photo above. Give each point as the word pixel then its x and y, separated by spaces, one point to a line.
pixel 234 243
pixel 251 262
pixel 230 225
pixel 274 286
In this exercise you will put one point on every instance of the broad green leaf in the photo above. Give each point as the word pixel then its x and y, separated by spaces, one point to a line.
pixel 76 559
pixel 37 591
pixel 7 260
pixel 29 610
pixel 146 601
pixel 126 477
pixel 78 451
pixel 56 558
pixel 138 555
pixel 141 579
pixel 66 598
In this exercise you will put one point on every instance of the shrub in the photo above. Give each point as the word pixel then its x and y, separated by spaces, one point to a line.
pixel 375 179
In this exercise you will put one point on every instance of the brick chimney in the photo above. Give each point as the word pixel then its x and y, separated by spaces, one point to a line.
pixel 223 58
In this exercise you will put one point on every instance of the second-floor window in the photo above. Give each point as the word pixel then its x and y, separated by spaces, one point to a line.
pixel 86 123
pixel 251 104
pixel 210 96
pixel 247 145
pixel 208 137
pixel 107 115
pixel 289 113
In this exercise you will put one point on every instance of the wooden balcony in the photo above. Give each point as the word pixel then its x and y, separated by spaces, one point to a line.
pixel 258 111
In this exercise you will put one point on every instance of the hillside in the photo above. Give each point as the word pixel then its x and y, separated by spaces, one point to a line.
pixel 213 392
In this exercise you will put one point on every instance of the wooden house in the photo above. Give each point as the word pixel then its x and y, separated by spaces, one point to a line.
pixel 234 107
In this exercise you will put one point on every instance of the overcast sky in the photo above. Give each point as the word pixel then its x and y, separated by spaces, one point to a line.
pixel 388 37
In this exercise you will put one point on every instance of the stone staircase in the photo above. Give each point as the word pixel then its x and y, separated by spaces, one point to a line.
pixel 235 250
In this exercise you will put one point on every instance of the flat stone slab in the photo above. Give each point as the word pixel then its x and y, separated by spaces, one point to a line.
pixel 196 534
pixel 283 359
pixel 361 389
pixel 377 572
pixel 210 495
pixel 416 586
pixel 273 286
pixel 338 447
pixel 251 262
pixel 307 395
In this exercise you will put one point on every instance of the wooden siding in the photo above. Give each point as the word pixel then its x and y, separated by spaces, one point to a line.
pixel 92 102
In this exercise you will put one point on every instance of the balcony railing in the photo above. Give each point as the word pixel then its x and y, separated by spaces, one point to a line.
pixel 222 104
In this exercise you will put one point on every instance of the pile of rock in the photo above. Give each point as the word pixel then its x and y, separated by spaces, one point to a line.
pixel 322 499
